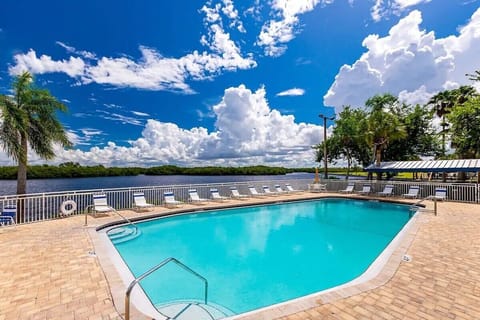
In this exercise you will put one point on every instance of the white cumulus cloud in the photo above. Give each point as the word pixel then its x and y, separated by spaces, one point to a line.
pixel 276 32
pixel 384 8
pixel 247 132
pixel 410 61
pixel 74 66
pixel 152 71
pixel 291 92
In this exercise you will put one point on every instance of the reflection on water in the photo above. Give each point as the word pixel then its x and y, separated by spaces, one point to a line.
pixel 267 221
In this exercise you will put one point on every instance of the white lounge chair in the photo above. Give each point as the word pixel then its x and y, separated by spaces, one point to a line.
pixel 412 192
pixel 268 192
pixel 170 201
pixel 236 194
pixel 100 204
pixel 367 189
pixel 140 202
pixel 7 216
pixel 290 188
pixel 317 187
pixel 195 198
pixel 440 194
pixel 349 188
pixel 387 191
pixel 279 189
pixel 216 195
pixel 254 192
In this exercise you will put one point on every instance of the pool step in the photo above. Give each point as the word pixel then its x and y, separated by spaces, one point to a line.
pixel 192 310
pixel 122 234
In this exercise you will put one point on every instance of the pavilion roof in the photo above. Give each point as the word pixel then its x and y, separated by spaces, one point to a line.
pixel 466 165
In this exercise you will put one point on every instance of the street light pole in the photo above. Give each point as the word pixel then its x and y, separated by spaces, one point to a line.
pixel 325 152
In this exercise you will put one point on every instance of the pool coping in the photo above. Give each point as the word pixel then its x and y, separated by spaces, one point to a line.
pixel 379 272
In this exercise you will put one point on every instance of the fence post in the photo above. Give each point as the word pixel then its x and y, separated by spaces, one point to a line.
pixel 43 206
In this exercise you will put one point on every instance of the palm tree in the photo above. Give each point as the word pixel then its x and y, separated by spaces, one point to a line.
pixel 383 125
pixel 463 94
pixel 29 121
pixel 442 103
pixel 475 76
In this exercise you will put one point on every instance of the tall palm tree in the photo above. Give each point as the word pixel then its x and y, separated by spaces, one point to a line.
pixel 463 94
pixel 383 125
pixel 442 103
pixel 30 121
pixel 475 76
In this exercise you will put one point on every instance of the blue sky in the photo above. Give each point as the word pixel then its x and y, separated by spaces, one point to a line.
pixel 228 82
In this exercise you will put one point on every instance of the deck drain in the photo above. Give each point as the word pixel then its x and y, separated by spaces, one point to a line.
pixel 407 258
pixel 92 254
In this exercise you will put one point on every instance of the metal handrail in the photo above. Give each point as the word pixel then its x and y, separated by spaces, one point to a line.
pixel 127 220
pixel 196 304
pixel 152 270
pixel 416 205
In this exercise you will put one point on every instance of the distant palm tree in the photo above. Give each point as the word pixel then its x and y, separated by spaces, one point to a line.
pixel 463 94
pixel 475 76
pixel 442 103
pixel 29 120
pixel 383 126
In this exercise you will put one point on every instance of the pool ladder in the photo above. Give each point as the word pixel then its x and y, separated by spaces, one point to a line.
pixel 152 270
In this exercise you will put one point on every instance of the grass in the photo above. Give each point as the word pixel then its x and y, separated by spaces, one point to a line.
pixel 360 173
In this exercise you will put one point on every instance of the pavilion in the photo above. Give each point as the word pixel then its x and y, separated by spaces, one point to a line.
pixel 433 166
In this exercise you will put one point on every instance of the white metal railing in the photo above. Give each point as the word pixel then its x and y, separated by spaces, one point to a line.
pixel 459 192
pixel 46 206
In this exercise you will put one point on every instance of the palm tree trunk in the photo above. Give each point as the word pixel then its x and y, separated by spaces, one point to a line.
pixel 443 136
pixel 22 168
pixel 444 174
pixel 22 180
pixel 378 161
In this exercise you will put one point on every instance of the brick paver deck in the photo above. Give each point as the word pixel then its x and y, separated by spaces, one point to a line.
pixel 47 271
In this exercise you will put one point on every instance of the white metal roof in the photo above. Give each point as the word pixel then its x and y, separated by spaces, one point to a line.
pixel 467 165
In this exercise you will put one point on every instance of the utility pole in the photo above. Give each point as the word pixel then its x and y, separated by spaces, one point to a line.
pixel 325 151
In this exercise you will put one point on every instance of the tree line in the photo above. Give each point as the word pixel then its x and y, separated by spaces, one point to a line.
pixel 386 129
pixel 75 170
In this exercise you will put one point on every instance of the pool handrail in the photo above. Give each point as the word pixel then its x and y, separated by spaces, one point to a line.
pixel 127 221
pixel 152 270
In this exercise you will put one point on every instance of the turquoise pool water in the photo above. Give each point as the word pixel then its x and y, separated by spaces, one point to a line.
pixel 257 256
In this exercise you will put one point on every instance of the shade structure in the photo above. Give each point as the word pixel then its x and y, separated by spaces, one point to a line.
pixel 461 165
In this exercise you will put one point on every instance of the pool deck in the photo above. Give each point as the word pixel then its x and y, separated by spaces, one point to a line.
pixel 49 270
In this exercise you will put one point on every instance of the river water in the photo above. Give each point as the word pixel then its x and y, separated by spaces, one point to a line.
pixel 9 187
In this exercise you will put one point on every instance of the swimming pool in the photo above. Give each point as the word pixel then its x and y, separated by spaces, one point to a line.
pixel 258 256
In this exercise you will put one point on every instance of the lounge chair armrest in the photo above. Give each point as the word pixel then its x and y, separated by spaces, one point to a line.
pixel 6 218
